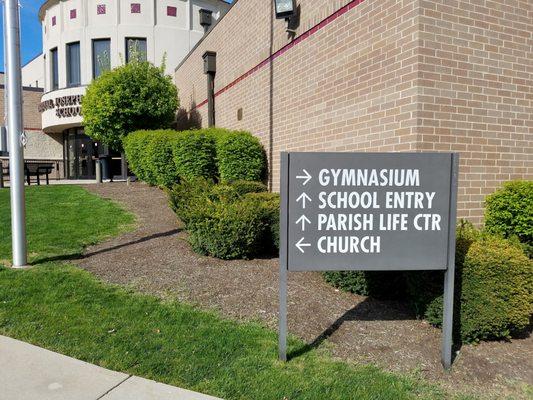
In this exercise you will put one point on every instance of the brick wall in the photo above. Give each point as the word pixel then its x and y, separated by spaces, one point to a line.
pixel 31 99
pixel 378 75
pixel 40 146
pixel 476 91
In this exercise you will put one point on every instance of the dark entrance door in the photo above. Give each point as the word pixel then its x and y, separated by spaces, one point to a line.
pixel 80 154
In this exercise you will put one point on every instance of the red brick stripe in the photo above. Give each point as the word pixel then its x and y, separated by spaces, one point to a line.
pixel 322 24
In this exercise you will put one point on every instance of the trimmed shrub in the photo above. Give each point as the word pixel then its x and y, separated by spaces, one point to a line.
pixel 190 200
pixel 348 281
pixel 240 156
pixel 159 160
pixel 135 145
pixel 509 211
pixel 195 155
pixel 232 230
pixel 269 206
pixel 243 187
pixel 425 287
pixel 230 192
pixel 211 215
pixel 383 285
pixel 496 291
pixel 215 154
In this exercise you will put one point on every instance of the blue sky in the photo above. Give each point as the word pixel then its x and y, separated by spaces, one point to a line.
pixel 31 41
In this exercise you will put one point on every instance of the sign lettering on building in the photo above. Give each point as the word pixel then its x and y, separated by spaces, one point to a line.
pixel 65 106
pixel 367 211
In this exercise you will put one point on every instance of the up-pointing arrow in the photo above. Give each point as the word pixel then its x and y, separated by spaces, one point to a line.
pixel 302 220
pixel 303 198
pixel 301 245
pixel 307 177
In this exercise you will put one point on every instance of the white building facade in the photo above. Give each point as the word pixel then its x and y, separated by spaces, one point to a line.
pixel 83 38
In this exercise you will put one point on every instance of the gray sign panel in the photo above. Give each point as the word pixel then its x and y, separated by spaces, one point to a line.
pixel 366 211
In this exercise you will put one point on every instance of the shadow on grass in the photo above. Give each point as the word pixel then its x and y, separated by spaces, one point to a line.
pixel 78 256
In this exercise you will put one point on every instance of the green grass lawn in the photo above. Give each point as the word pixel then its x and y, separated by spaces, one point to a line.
pixel 61 221
pixel 62 308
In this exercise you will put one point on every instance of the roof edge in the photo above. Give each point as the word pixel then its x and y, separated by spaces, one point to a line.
pixel 206 35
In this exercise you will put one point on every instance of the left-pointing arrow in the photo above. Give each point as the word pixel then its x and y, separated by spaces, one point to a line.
pixel 303 220
pixel 303 198
pixel 301 245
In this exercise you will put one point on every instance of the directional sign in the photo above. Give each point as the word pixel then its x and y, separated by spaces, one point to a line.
pixel 368 211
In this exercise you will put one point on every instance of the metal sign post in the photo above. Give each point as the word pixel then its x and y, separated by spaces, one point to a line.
pixel 368 212
pixel 15 130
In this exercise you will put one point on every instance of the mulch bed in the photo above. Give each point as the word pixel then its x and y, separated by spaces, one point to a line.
pixel 156 258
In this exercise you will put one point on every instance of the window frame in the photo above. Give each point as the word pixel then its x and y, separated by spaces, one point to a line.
pixel 54 68
pixel 93 54
pixel 67 63
pixel 127 53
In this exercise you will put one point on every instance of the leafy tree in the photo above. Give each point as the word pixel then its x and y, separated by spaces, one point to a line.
pixel 134 96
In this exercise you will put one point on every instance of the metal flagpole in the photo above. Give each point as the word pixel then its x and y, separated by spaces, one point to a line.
pixel 15 130
pixel 3 137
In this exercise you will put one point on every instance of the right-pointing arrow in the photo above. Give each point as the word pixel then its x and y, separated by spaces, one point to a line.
pixel 303 198
pixel 307 177
pixel 301 245
pixel 302 220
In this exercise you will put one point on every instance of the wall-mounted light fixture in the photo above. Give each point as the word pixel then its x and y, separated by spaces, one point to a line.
pixel 206 19
pixel 288 10
pixel 210 69
pixel 285 8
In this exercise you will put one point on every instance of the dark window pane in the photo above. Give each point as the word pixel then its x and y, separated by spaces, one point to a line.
pixel 54 69
pixel 101 56
pixel 73 64
pixel 135 49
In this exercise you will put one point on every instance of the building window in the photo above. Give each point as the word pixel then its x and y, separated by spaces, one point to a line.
pixel 73 64
pixel 135 8
pixel 100 9
pixel 172 11
pixel 54 20
pixel 101 56
pixel 73 14
pixel 54 69
pixel 136 49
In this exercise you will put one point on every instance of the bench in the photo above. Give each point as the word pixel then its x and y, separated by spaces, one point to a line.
pixel 38 169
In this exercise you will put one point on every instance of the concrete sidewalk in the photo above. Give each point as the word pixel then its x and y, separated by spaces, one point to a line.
pixel 32 373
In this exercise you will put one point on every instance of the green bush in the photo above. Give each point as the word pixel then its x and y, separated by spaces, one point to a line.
pixel 195 155
pixel 224 224
pixel 131 97
pixel 509 211
pixel 377 284
pixel 495 285
pixel 135 145
pixel 240 156
pixel 243 187
pixel 348 281
pixel 269 206
pixel 190 200
pixel 230 192
pixel 159 160
pixel 426 287
pixel 232 230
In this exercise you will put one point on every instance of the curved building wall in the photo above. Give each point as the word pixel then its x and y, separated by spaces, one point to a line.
pixel 170 27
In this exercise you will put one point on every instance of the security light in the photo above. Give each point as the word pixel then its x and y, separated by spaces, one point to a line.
pixel 285 8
